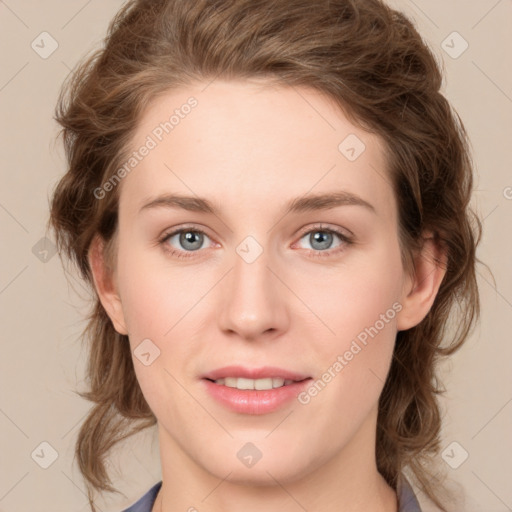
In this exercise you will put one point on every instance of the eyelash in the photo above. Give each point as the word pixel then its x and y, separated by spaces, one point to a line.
pixel 317 254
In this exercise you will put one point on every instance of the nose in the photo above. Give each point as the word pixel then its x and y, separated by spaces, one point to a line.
pixel 255 301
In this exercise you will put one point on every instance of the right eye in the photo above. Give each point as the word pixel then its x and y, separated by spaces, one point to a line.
pixel 181 241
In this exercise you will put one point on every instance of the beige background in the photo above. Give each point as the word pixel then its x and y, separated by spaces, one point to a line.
pixel 41 315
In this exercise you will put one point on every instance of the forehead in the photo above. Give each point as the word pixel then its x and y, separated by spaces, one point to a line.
pixel 249 144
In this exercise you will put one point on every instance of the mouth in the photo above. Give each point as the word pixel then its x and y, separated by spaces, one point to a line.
pixel 254 390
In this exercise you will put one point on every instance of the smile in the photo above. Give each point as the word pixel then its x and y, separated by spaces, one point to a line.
pixel 254 391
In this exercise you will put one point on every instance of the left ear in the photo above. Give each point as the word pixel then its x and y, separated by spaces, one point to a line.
pixel 420 289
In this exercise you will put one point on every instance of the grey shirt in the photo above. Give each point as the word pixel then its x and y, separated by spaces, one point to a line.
pixel 407 501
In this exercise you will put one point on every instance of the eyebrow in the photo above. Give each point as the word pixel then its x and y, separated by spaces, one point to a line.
pixel 311 202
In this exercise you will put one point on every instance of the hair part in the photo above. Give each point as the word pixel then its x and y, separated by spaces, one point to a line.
pixel 370 61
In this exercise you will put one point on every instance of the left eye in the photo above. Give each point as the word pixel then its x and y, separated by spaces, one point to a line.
pixel 321 239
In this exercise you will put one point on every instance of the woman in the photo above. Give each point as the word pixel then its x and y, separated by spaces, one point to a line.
pixel 270 200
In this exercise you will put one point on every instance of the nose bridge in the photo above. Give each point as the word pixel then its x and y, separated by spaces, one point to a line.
pixel 253 302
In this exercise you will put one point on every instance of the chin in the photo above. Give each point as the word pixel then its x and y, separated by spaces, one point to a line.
pixel 264 472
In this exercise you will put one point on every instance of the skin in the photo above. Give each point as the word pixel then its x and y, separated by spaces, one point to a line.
pixel 249 148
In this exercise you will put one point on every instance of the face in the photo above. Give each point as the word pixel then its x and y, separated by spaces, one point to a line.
pixel 280 264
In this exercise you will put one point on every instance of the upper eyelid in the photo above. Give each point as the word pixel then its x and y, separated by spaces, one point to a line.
pixel 323 227
pixel 175 231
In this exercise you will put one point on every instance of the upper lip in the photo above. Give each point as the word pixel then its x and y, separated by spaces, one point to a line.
pixel 254 373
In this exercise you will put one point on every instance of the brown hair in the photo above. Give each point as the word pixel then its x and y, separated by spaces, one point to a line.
pixel 373 64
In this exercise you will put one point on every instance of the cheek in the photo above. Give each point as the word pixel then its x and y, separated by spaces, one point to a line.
pixel 355 363
pixel 360 309
pixel 161 304
pixel 357 295
pixel 154 298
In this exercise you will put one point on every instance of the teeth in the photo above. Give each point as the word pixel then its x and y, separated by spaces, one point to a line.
pixel 258 384
pixel 245 383
pixel 277 383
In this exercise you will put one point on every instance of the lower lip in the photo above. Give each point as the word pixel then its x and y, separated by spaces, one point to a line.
pixel 255 401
